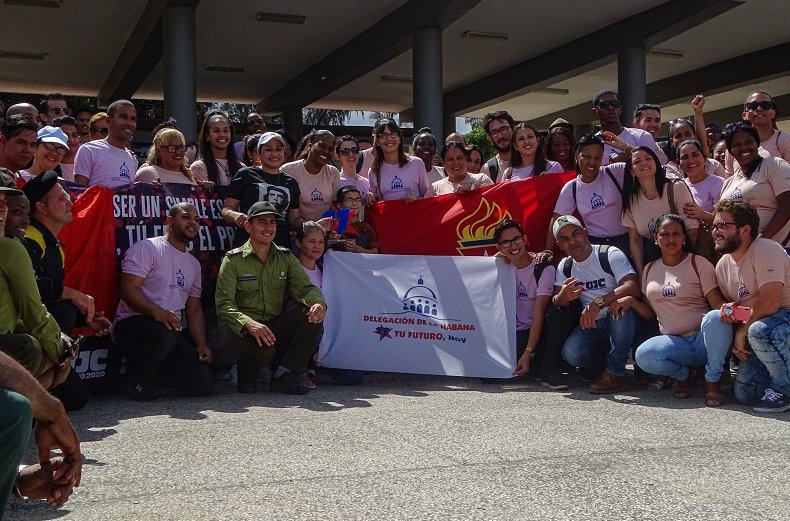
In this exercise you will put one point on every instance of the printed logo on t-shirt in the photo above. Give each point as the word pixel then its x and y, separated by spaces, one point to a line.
pixel 180 279
pixel 124 171
pixel 316 196
pixel 279 196
pixel 396 184
pixel 743 291
pixel 595 284
pixel 737 195
pixel 521 291
pixel 596 201
pixel 669 290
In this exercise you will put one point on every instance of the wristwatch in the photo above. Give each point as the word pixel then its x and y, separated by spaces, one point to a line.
pixel 599 302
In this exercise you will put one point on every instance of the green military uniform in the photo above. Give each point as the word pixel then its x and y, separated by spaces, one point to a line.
pixel 19 299
pixel 250 289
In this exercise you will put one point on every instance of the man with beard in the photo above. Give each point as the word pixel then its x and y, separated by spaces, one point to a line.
pixel 160 289
pixel 754 276
pixel 499 127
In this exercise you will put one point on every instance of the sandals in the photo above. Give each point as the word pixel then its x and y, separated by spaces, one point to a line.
pixel 659 383
pixel 683 389
pixel 713 396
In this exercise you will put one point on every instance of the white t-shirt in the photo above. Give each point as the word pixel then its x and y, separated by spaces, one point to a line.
pixel 600 202
pixel 470 182
pixel 67 171
pixel 154 173
pixel 317 191
pixel 435 174
pixel 634 137
pixel 597 282
pixel 171 276
pixel 523 172
pixel 397 182
pixel 315 276
pixel 361 182
pixel 104 164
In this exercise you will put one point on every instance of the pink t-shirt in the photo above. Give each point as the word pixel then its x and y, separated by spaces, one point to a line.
pixel 317 191
pixel 524 172
pixel 765 261
pixel 171 276
pixel 643 212
pixel 677 293
pixel 600 202
pixel 634 137
pixel 768 181
pixel 707 192
pixel 397 182
pixel 200 171
pixel 153 173
pixel 67 171
pixel 527 290
pixel 361 182
pixel 778 145
pixel 104 164
pixel 502 165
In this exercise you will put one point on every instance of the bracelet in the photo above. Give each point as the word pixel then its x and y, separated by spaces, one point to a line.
pixel 15 488
pixel 531 351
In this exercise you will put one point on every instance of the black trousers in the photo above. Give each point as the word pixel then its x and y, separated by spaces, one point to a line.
pixel 159 357
pixel 73 393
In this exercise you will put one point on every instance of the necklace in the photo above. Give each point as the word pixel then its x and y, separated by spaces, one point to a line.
pixel 223 167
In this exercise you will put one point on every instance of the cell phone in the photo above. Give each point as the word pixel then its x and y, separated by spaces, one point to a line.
pixel 739 313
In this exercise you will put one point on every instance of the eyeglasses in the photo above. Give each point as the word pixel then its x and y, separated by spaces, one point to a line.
pixel 103 130
pixel 754 105
pixel 175 148
pixel 384 136
pixel 58 111
pixel 61 151
pixel 348 151
pixel 501 130
pixel 351 200
pixel 610 104
pixel 518 241
pixel 721 225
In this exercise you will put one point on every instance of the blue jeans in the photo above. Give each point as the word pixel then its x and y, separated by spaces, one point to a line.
pixel 769 366
pixel 581 346
pixel 672 355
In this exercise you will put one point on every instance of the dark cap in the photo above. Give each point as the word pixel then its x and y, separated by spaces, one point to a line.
pixel 262 208
pixel 39 186
pixel 8 183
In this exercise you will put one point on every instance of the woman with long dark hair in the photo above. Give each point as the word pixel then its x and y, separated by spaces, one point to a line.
pixel 560 146
pixel 526 155
pixel 217 161
pixel 393 174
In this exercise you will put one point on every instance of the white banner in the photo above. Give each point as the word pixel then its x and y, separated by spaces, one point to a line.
pixel 419 314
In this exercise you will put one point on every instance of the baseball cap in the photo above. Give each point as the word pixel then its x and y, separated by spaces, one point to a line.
pixel 268 136
pixel 53 135
pixel 37 188
pixel 562 221
pixel 262 208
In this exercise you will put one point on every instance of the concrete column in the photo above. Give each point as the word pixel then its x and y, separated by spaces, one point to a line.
pixel 427 64
pixel 180 66
pixel 449 128
pixel 292 122
pixel 631 81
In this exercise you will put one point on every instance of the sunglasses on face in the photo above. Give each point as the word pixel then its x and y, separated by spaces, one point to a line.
pixel 348 151
pixel 765 105
pixel 175 148
pixel 611 104
pixel 58 111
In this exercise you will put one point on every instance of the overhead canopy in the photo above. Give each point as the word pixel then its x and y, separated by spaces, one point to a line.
pixel 536 59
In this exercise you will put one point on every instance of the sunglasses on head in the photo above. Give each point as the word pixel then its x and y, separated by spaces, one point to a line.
pixel 103 130
pixel 729 128
pixel 610 104
pixel 765 105
pixel 348 151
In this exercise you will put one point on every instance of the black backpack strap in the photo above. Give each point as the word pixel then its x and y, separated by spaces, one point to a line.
pixel 493 168
pixel 603 259
pixel 614 180
pixel 566 267
pixel 360 162
pixel 539 268
pixel 573 189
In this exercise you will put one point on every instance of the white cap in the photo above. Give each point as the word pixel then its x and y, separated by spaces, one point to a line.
pixel 53 135
pixel 562 221
pixel 268 136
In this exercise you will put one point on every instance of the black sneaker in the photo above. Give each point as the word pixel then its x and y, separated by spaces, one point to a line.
pixel 772 401
pixel 554 382
pixel 287 384
pixel 144 394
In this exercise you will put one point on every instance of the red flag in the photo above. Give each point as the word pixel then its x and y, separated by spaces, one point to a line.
pixel 89 244
pixel 455 224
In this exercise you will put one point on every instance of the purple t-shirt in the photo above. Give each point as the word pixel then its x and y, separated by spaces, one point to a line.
pixel 104 164
pixel 707 192
pixel 171 276
pixel 600 202
pixel 527 290
pixel 397 182
pixel 362 184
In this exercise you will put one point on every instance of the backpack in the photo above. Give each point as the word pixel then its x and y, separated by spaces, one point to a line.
pixel 539 268
pixel 611 176
pixel 603 258
pixel 493 168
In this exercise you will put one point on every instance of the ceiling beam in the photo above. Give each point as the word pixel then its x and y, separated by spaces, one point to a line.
pixel 586 53
pixel 746 69
pixel 141 54
pixel 364 52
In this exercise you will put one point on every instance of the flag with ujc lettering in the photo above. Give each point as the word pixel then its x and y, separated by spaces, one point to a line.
pixel 464 224
pixel 419 314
